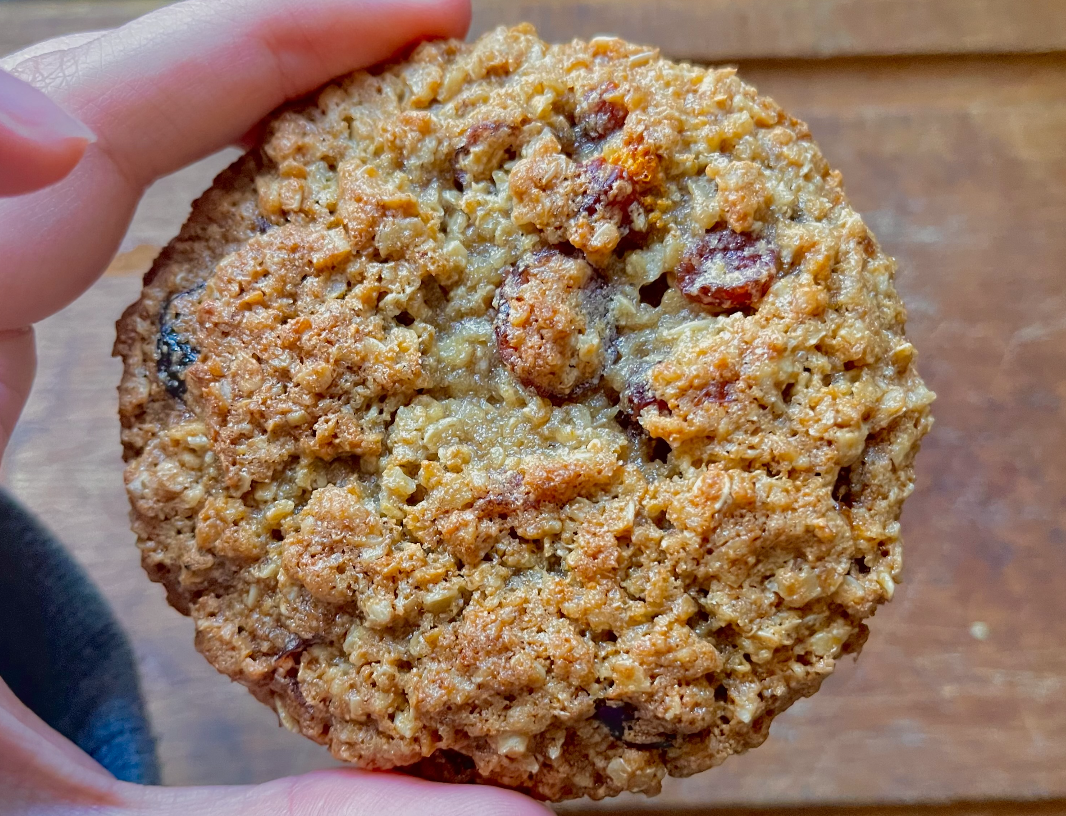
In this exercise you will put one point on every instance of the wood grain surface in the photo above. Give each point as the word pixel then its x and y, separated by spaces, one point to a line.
pixel 1028 808
pixel 741 29
pixel 690 29
pixel 958 163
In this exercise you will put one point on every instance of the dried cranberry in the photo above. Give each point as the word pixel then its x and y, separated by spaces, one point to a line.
pixel 727 270
pixel 599 115
pixel 718 391
pixel 484 148
pixel 610 194
pixel 640 395
pixel 563 304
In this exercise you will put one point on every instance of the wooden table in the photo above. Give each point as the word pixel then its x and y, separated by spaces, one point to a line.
pixel 948 119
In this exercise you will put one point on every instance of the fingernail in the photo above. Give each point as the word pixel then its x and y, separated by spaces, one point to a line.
pixel 32 115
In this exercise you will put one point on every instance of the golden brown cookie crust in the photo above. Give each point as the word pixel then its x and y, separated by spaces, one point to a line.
pixel 535 415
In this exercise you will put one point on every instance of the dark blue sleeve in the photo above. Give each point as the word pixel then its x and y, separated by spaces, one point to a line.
pixel 63 654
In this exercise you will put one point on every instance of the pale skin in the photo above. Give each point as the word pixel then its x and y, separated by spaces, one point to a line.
pixel 87 122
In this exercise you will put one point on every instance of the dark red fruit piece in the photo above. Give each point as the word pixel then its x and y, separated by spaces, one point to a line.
pixel 561 300
pixel 640 395
pixel 600 116
pixel 727 270
pixel 610 195
pixel 484 148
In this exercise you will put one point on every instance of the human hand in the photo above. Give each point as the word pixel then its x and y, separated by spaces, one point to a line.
pixel 41 772
pixel 141 102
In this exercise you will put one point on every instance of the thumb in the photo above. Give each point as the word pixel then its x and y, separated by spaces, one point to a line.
pixel 335 793
pixel 39 142
pixel 40 771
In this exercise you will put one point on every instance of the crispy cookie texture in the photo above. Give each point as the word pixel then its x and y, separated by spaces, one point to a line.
pixel 538 415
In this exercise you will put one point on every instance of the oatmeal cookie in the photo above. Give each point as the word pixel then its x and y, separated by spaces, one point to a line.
pixel 531 414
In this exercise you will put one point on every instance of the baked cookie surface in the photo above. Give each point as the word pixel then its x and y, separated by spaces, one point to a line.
pixel 537 415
